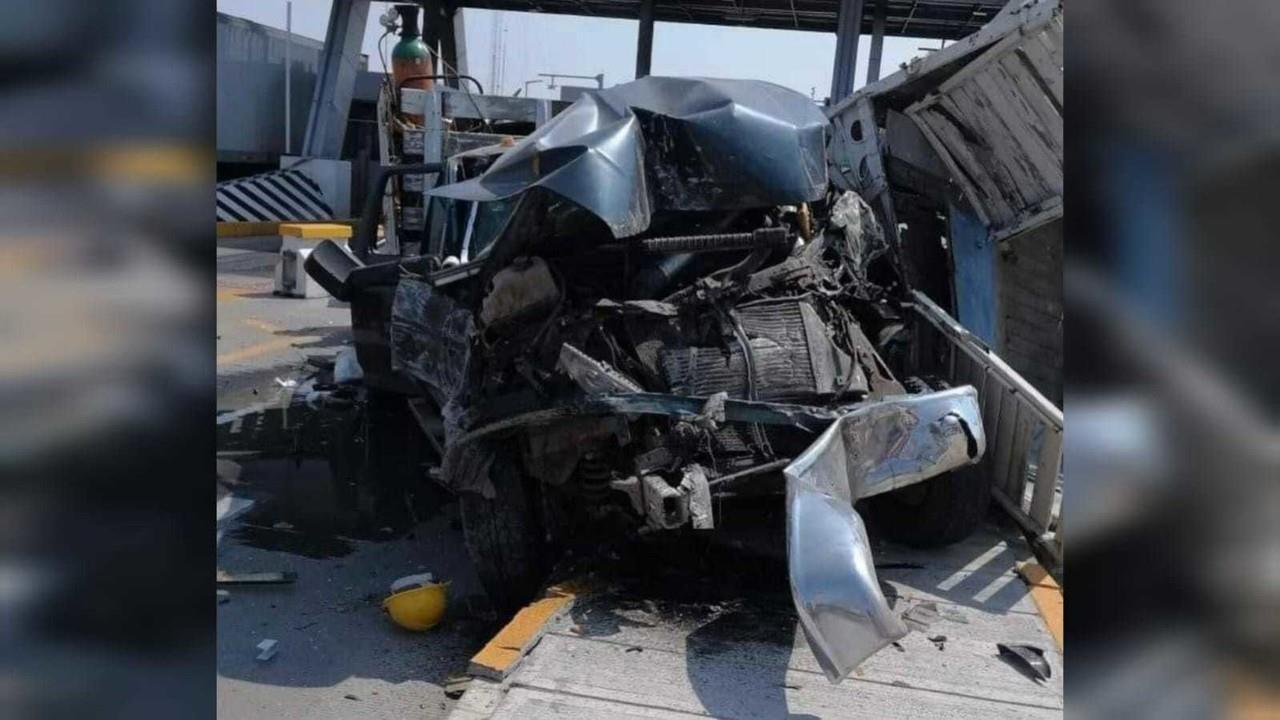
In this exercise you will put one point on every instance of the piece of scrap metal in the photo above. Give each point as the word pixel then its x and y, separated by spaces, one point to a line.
pixel 875 448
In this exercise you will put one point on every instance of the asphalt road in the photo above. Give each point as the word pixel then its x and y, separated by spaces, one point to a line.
pixel 339 655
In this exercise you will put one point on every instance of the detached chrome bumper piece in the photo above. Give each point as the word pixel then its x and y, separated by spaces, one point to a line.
pixel 876 448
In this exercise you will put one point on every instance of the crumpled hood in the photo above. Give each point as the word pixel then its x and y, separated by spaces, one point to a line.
pixel 662 143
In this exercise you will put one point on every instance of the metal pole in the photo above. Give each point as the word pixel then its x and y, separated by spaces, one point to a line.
pixel 288 74
pixel 644 42
pixel 335 79
pixel 848 28
pixel 877 42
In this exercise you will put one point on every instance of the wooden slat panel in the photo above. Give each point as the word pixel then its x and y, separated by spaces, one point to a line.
pixel 961 367
pixel 1049 70
pixel 1010 409
pixel 970 191
pixel 986 166
pixel 992 405
pixel 953 365
pixel 997 154
pixel 984 192
pixel 1051 36
pixel 1048 462
pixel 1019 155
pixel 980 384
pixel 1014 71
pixel 1020 449
pixel 1032 149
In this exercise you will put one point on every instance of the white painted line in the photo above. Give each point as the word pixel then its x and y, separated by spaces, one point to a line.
pixel 973 565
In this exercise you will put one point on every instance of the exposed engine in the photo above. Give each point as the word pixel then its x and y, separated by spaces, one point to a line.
pixel 777 313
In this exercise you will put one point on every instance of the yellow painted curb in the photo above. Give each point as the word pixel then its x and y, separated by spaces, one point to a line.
pixel 500 655
pixel 251 229
pixel 315 230
pixel 1047 595
pixel 247 229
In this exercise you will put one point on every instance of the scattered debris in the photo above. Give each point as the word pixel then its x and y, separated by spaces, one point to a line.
pixel 1029 659
pixel 304 627
pixel 899 566
pixel 898 646
pixel 410 581
pixel 256 578
pixel 920 617
pixel 953 614
pixel 289 383
pixel 320 362
pixel 346 368
pixel 456 684
pixel 939 641
pixel 349 696
pixel 634 648
pixel 267 650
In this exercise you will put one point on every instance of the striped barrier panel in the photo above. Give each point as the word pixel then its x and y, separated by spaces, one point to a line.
pixel 277 196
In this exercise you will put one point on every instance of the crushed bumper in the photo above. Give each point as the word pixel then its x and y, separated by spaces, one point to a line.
pixel 875 448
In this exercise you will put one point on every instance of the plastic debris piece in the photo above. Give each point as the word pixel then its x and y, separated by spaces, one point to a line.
pixel 267 650
pixel 920 617
pixel 1027 658
pixel 346 368
pixel 410 581
pixel 456 684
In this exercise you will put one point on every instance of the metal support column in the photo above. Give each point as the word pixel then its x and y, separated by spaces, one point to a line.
pixel 438 31
pixel 644 41
pixel 336 79
pixel 432 18
pixel 848 28
pixel 877 41
pixel 459 42
pixel 448 40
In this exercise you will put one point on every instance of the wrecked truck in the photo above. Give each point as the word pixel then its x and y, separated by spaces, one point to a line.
pixel 652 305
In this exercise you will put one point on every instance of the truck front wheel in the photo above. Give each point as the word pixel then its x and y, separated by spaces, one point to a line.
pixel 939 511
pixel 503 535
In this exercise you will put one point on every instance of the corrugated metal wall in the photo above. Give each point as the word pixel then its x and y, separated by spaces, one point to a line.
pixel 251 89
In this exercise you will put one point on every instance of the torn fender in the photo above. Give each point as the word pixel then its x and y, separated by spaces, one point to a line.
pixel 875 448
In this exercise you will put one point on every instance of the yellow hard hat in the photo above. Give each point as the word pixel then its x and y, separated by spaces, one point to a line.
pixel 418 608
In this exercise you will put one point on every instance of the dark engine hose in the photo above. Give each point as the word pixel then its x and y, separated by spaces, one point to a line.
pixel 717 242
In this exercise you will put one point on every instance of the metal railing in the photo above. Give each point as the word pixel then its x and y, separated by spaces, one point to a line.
pixel 1024 431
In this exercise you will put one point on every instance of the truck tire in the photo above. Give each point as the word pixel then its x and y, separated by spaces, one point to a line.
pixel 936 512
pixel 503 535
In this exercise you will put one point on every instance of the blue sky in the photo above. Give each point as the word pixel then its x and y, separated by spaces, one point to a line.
pixel 585 46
